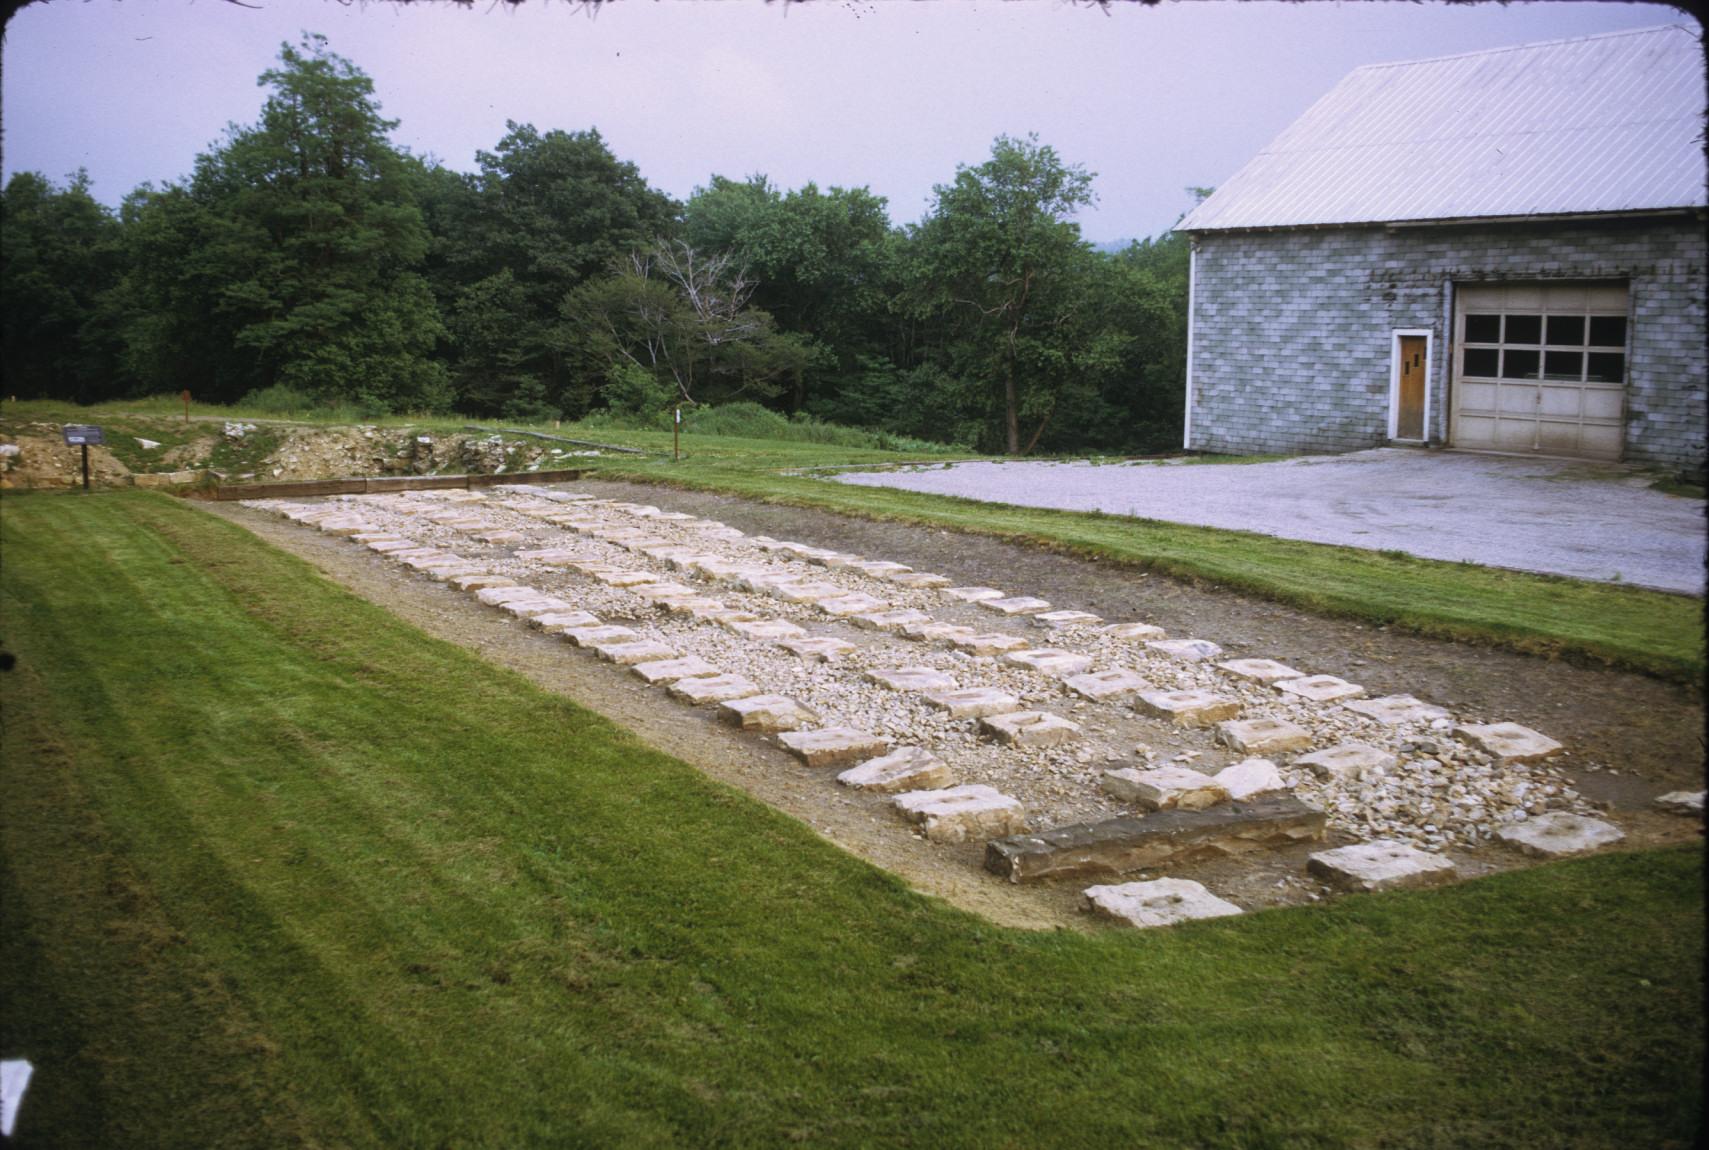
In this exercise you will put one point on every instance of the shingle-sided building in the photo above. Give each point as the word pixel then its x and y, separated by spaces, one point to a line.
pixel 1500 251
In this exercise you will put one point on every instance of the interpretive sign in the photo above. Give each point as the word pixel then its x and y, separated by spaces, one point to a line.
pixel 84 434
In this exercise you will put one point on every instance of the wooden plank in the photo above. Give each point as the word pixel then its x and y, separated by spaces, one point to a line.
pixel 308 488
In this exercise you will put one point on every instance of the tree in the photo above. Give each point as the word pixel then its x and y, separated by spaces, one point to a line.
pixel 1001 260
pixel 59 253
pixel 684 318
pixel 546 212
pixel 824 262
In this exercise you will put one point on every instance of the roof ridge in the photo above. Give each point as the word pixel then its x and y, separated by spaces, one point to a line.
pixel 1651 30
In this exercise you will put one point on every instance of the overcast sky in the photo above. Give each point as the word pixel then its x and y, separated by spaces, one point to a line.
pixel 890 94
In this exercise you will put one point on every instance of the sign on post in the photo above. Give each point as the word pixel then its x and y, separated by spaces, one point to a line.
pixel 82 435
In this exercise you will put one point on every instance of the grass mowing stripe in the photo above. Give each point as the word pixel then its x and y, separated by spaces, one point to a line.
pixel 1649 631
pixel 465 911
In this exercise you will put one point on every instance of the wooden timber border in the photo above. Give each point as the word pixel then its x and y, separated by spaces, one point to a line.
pixel 303 489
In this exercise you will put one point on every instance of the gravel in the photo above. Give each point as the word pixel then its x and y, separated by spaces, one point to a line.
pixel 1563 517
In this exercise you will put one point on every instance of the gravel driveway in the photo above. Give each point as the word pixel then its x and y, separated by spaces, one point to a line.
pixel 1562 517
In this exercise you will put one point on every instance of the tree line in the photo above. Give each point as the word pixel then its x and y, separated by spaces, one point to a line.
pixel 307 260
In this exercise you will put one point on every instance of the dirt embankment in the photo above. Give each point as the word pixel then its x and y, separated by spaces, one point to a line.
pixel 164 452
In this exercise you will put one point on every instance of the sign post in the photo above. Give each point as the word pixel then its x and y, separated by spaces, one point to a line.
pixel 676 437
pixel 82 435
pixel 185 396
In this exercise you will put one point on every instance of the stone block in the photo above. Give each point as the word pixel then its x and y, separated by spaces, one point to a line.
pixel 1393 710
pixel 1015 605
pixel 767 713
pixel 1250 778
pixel 1066 618
pixel 552 556
pixel 1320 688
pixel 1186 650
pixel 1348 761
pixel 1143 631
pixel 856 604
pixel 627 654
pixel 1050 661
pixel 545 605
pixel 499 538
pixel 765 628
pixel 670 670
pixel 1260 670
pixel 1383 864
pixel 937 632
pixel 604 633
pixel 879 568
pixel 1160 902
pixel 960 814
pixel 715 612
pixel 625 578
pixel 904 769
pixel 1130 843
pixel 988 643
pixel 1509 741
pixel 973 594
pixel 1030 728
pixel 818 649
pixel 656 591
pixel 1262 736
pixel 918 580
pixel 480 582
pixel 833 746
pixel 437 561
pixel 690 605
pixel 496 596
pixel 1191 708
pixel 912 679
pixel 889 620
pixel 1682 803
pixel 973 702
pixel 1117 683
pixel 446 574
pixel 388 547
pixel 1165 788
pixel 702 689
pixel 805 592
pixel 1559 833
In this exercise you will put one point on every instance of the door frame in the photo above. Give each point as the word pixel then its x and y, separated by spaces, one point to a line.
pixel 1394 380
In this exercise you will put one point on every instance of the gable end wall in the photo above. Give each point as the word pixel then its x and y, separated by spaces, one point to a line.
pixel 1292 329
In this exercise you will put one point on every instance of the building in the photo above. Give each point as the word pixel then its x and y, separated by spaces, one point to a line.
pixel 1498 251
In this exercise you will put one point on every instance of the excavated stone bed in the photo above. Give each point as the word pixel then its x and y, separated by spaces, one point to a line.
pixel 1441 792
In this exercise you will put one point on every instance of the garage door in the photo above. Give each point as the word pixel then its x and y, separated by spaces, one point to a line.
pixel 1540 368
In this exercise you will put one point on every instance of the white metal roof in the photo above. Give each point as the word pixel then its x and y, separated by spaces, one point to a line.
pixel 1610 123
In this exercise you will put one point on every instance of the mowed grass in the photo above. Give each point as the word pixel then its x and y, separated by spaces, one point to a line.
pixel 1648 631
pixel 280 870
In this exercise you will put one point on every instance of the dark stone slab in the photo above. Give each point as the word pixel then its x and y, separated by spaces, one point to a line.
pixel 1117 846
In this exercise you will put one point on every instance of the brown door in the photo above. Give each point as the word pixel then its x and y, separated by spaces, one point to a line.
pixel 1409 420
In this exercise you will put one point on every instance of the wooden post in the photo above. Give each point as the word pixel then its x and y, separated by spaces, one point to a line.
pixel 185 396
pixel 85 467
pixel 676 436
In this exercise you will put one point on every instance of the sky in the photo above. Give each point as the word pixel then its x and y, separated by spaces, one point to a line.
pixel 892 95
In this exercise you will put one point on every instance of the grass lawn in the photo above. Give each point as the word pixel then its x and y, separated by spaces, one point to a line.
pixel 279 870
pixel 1648 631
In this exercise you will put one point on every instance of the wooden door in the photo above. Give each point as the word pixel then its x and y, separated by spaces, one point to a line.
pixel 1409 419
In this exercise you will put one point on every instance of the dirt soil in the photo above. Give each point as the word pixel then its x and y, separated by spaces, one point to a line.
pixel 1630 737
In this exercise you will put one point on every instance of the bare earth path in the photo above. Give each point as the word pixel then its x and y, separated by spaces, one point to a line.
pixel 1630 738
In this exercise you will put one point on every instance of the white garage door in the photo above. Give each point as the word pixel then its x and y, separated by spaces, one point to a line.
pixel 1540 367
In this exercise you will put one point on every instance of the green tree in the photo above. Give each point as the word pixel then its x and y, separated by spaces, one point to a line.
pixel 1000 261
pixel 685 319
pixel 824 264
pixel 546 212
pixel 59 254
